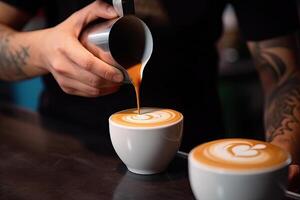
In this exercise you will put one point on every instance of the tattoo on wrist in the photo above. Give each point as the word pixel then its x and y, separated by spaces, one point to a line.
pixel 12 60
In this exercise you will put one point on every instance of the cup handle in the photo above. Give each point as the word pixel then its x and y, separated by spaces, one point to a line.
pixel 182 154
pixel 292 195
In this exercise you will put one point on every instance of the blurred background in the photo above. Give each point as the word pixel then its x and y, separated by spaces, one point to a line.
pixel 239 86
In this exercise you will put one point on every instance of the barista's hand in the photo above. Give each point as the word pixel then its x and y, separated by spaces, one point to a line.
pixel 77 71
pixel 294 168
pixel 294 178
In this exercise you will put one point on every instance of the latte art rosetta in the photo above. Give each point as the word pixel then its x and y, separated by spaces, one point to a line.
pixel 149 117
pixel 237 152
pixel 152 117
pixel 240 154
pixel 245 150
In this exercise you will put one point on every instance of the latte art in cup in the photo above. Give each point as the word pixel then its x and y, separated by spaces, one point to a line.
pixel 149 117
pixel 235 169
pixel 240 155
pixel 146 142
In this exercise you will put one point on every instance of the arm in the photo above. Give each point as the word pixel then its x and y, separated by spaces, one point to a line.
pixel 14 54
pixel 56 50
pixel 16 60
pixel 277 61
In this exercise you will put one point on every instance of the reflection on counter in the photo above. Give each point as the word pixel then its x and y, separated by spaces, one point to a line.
pixel 146 184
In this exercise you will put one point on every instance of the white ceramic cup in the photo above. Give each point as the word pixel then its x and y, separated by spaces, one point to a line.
pixel 231 175
pixel 146 148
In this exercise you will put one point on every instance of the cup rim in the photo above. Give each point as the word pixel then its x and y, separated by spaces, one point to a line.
pixel 147 127
pixel 220 170
pixel 217 169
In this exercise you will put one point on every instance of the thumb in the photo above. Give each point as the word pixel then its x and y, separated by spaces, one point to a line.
pixel 99 9
pixel 95 10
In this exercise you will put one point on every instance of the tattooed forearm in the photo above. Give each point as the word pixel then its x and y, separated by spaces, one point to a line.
pixel 12 59
pixel 278 67
pixel 283 108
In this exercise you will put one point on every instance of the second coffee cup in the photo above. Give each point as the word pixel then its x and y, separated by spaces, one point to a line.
pixel 235 169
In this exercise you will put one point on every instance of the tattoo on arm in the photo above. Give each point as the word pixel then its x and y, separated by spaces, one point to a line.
pixel 12 60
pixel 282 106
pixel 269 62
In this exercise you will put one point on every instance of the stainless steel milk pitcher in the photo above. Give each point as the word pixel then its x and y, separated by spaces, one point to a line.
pixel 121 42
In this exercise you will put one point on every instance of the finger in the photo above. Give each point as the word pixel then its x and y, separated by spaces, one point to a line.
pixel 109 90
pixel 87 61
pixel 293 171
pixel 101 92
pixel 66 67
pixel 91 79
pixel 74 87
pixel 98 52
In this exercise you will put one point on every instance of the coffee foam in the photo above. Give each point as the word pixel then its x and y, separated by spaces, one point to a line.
pixel 240 154
pixel 149 117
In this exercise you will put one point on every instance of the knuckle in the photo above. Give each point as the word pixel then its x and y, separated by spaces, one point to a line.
pixel 77 18
pixel 61 47
pixel 68 90
pixel 88 64
pixel 108 75
pixel 55 63
pixel 94 82
pixel 63 84
pixel 59 68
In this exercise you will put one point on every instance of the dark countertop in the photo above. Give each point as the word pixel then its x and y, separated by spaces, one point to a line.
pixel 41 159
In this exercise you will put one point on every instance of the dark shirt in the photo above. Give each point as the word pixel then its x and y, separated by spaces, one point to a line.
pixel 182 73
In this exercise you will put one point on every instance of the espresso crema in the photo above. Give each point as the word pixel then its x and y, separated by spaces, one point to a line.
pixel 240 154
pixel 149 117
